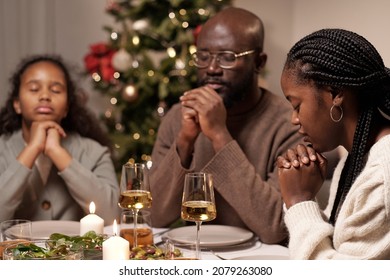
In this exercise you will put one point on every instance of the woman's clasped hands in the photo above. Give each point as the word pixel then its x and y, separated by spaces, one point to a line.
pixel 302 172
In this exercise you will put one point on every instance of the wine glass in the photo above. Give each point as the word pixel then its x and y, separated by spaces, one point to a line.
pixel 135 191
pixel 198 203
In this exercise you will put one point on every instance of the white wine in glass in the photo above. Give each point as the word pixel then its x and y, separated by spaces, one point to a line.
pixel 203 211
pixel 198 203
pixel 135 191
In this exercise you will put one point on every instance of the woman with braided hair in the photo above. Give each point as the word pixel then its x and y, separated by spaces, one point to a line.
pixel 340 92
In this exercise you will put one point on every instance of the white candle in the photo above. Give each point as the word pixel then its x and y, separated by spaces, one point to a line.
pixel 116 247
pixel 91 222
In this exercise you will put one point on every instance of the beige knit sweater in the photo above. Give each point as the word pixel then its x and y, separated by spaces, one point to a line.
pixel 362 229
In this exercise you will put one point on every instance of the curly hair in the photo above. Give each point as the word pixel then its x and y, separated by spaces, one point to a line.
pixel 341 59
pixel 79 119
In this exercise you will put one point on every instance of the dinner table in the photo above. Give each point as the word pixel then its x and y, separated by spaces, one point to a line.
pixel 237 249
pixel 217 242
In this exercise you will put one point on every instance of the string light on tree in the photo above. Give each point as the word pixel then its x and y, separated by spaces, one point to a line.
pixel 130 93
pixel 162 107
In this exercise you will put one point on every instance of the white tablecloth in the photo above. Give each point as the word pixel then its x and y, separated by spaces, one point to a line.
pixel 258 251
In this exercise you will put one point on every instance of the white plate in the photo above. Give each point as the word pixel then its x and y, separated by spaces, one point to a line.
pixel 263 257
pixel 210 235
pixel 43 229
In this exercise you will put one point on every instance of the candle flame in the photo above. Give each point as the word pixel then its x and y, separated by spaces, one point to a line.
pixel 115 227
pixel 92 208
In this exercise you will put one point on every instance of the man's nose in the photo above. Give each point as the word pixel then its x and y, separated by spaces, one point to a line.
pixel 214 64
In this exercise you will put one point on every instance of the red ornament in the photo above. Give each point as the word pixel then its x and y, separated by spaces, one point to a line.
pixel 98 60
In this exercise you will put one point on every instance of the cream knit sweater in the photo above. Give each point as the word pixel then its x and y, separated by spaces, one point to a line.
pixel 362 229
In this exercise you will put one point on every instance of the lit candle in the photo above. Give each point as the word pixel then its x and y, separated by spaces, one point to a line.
pixel 91 222
pixel 116 247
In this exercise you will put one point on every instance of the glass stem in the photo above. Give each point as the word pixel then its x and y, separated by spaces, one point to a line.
pixel 197 245
pixel 135 235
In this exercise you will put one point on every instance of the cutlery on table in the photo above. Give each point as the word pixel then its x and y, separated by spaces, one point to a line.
pixel 161 232
pixel 218 256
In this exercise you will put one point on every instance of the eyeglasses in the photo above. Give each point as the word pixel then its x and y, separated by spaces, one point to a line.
pixel 225 59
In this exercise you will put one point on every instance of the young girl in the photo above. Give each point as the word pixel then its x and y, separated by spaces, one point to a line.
pixel 54 157
pixel 340 91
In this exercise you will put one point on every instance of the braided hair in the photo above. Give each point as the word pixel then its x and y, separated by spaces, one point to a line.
pixel 341 59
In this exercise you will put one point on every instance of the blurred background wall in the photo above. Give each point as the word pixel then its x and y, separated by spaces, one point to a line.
pixel 68 27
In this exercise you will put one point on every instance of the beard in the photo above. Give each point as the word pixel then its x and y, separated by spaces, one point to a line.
pixel 231 94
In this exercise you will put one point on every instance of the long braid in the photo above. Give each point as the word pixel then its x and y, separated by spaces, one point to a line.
pixel 343 59
pixel 355 162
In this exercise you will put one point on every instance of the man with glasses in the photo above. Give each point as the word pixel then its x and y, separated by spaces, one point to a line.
pixel 229 127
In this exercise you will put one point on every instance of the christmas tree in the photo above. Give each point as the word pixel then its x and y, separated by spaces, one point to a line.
pixel 145 66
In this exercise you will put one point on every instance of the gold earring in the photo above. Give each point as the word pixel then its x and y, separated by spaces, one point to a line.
pixel 341 113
